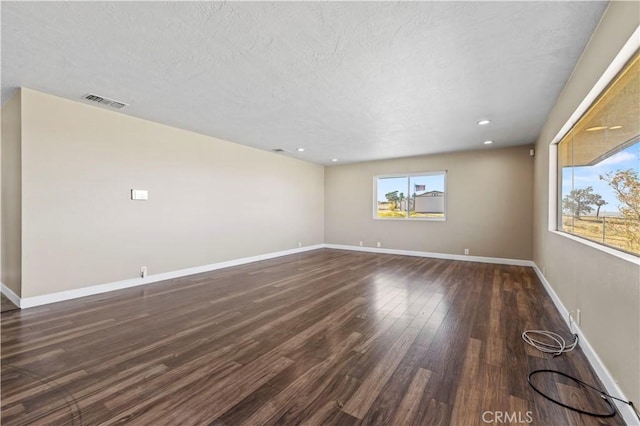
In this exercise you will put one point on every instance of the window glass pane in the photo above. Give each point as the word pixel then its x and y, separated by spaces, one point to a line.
pixel 599 163
pixel 427 197
pixel 391 197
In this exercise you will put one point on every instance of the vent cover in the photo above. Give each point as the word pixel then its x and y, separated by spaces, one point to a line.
pixel 104 101
pixel 278 150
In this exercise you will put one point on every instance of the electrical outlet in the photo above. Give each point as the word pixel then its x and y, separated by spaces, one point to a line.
pixel 360 243
pixel 143 272
pixel 379 244
pixel 578 317
pixel 299 243
pixel 544 270
pixel 466 251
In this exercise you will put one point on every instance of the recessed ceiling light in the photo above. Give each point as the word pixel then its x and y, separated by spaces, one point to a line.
pixel 596 128
pixel 487 142
pixel 300 149
pixel 334 159
pixel 483 122
pixel 615 127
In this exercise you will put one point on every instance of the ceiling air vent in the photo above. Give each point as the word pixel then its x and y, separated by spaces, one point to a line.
pixel 279 150
pixel 104 101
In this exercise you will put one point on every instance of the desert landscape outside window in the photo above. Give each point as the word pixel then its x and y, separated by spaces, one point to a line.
pixel 598 167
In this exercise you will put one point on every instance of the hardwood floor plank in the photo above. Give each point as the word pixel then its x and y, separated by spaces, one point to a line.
pixel 495 343
pixel 319 416
pixel 393 316
pixel 6 304
pixel 449 345
pixel 469 393
pixel 522 409
pixel 90 398
pixel 493 389
pixel 10 398
pixel 361 401
pixel 301 386
pixel 221 395
pixel 436 413
pixel 339 389
pixel 408 408
pixel 245 408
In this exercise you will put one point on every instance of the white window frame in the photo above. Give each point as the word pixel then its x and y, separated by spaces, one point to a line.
pixel 618 63
pixel 442 173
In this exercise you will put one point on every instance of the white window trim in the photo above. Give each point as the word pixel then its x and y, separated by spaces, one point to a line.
pixel 623 56
pixel 408 175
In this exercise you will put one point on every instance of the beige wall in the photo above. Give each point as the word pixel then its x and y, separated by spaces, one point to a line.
pixel 605 288
pixel 11 250
pixel 489 205
pixel 209 200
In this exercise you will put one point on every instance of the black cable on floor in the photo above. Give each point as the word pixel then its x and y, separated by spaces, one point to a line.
pixel 605 396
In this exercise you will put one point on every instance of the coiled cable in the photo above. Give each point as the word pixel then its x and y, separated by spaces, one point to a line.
pixel 558 346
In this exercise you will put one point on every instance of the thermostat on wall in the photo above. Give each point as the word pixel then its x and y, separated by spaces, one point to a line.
pixel 139 194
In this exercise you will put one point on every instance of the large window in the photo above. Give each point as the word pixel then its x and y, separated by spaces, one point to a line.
pixel 410 196
pixel 598 166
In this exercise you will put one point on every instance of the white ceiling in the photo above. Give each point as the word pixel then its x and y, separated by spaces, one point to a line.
pixel 349 80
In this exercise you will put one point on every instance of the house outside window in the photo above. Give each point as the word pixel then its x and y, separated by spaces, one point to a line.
pixel 417 196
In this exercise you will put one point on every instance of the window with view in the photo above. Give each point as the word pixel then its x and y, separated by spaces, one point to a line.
pixel 410 196
pixel 598 166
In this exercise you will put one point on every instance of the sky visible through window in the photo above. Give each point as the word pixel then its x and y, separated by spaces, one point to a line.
pixel 586 176
pixel 431 183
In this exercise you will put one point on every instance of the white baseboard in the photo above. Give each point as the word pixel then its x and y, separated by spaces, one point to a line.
pixel 29 302
pixel 598 366
pixel 463 257
pixel 15 299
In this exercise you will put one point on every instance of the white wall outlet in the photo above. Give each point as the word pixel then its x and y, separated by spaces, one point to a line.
pixel 143 272
pixel 466 251
pixel 578 317
pixel 139 194
pixel 360 243
pixel 544 270
pixel 379 244
pixel 299 244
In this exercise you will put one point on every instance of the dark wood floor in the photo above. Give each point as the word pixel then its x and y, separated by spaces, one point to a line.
pixel 324 337
pixel 6 304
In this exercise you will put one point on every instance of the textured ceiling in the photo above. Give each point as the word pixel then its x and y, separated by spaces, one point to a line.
pixel 349 80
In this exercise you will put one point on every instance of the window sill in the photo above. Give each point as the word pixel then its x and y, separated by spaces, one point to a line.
pixel 413 219
pixel 613 252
